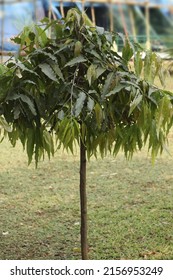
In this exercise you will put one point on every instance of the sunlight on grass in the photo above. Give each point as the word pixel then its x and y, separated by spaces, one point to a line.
pixel 130 205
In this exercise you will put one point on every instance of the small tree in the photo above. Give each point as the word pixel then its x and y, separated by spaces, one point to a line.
pixel 73 88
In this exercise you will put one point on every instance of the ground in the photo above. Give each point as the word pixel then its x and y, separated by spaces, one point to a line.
pixel 130 206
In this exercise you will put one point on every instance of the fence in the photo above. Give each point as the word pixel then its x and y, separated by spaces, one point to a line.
pixel 132 17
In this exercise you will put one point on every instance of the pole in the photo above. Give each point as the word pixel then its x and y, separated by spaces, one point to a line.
pixel 147 15
pixel 2 30
pixel 83 201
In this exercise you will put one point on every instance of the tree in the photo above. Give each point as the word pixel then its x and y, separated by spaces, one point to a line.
pixel 73 88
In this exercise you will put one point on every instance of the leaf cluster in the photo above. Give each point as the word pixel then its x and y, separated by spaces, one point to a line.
pixel 74 85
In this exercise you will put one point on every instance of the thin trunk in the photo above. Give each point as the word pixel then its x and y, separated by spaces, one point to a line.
pixel 83 201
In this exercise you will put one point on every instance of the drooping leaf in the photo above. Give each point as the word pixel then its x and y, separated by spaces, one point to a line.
pixel 79 103
pixel 5 125
pixel 46 54
pixel 95 54
pixel 61 114
pixel 3 69
pixel 47 70
pixel 30 144
pixel 91 74
pixel 127 51
pixel 57 70
pixel 107 84
pixel 29 82
pixel 98 114
pixel 41 36
pixel 90 104
pixel 17 111
pixel 24 68
pixel 77 48
pixel 152 67
pixel 75 60
pixel 100 71
pixel 138 63
pixel 26 100
pixel 135 103
pixel 48 143
pixel 116 90
pixel 29 102
pixel 100 30
pixel 164 113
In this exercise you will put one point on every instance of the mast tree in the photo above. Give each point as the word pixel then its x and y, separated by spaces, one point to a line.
pixel 73 88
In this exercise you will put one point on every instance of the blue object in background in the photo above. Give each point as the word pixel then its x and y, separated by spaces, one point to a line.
pixel 13 17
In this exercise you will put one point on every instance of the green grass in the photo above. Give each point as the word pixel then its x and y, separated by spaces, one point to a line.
pixel 130 207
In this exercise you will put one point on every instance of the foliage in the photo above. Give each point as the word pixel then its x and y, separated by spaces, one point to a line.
pixel 74 85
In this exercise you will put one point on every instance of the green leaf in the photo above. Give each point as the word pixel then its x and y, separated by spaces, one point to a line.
pixel 109 37
pixel 48 143
pixel 127 51
pixel 58 71
pixel 100 71
pixel 38 151
pixel 61 115
pixel 3 69
pixel 135 103
pixel 17 110
pixel 58 30
pixel 162 76
pixel 77 48
pixel 24 68
pixel 41 36
pixel 87 21
pixel 5 125
pixel 94 53
pixel 79 103
pixel 16 40
pixel 152 67
pixel 90 104
pixel 73 15
pixel 116 90
pixel 75 60
pixel 46 54
pixel 164 113
pixel 100 30
pixel 29 82
pixel 29 102
pixel 47 70
pixel 138 63
pixel 26 100
pixel 107 84
pixel 98 114
pixel 91 74
pixel 30 144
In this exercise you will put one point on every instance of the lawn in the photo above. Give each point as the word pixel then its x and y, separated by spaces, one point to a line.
pixel 130 207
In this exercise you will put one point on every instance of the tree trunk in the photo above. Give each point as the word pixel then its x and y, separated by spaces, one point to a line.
pixel 83 201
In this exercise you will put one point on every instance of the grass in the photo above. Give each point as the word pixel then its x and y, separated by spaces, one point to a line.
pixel 130 207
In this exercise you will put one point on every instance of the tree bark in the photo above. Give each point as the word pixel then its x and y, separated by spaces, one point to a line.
pixel 83 201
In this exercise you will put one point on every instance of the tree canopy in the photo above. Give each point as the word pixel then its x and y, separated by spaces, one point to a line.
pixel 73 85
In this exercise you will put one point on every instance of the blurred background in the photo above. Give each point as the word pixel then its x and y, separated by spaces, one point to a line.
pixel 148 22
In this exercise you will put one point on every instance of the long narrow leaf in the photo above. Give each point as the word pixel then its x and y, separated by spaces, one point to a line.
pixel 47 70
pixel 75 60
